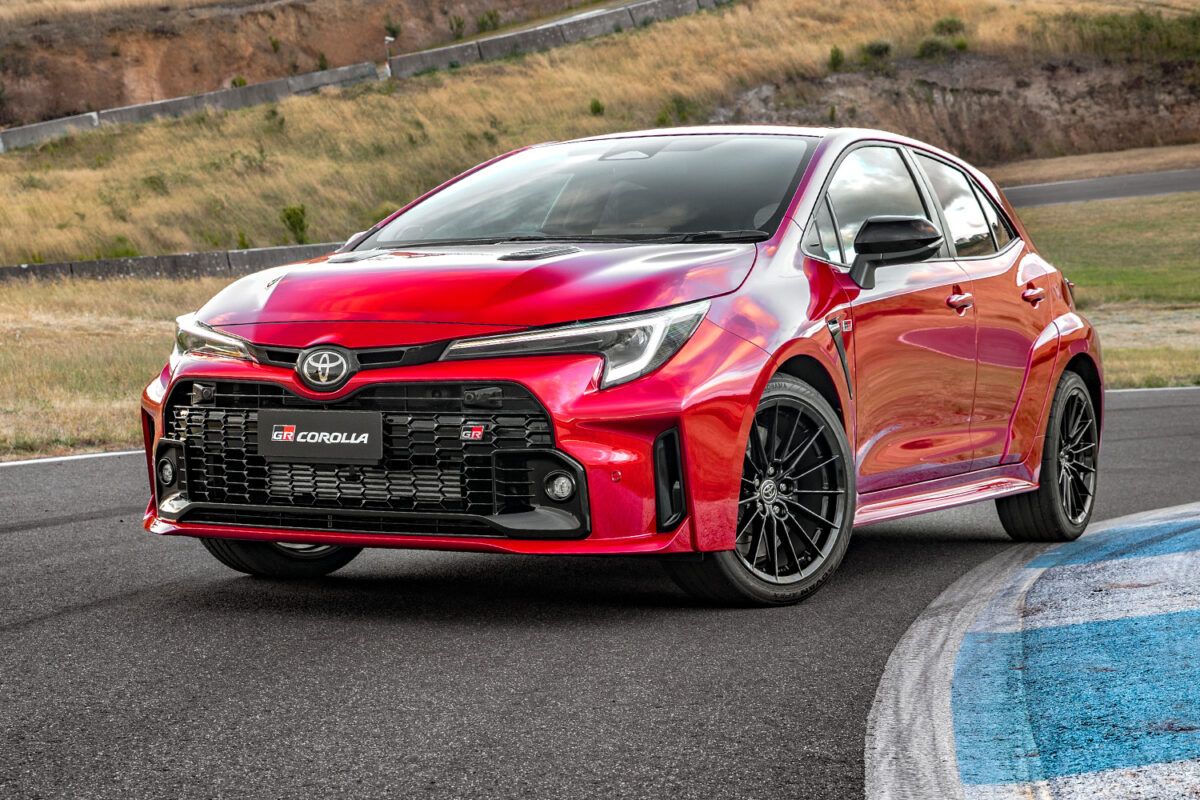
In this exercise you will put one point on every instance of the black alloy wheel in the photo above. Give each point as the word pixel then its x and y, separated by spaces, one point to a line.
pixel 1061 507
pixel 795 508
pixel 793 497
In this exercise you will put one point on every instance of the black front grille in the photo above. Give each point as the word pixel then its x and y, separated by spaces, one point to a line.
pixel 426 467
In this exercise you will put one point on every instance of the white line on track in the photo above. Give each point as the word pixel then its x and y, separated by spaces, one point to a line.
pixel 52 459
pixel 909 750
pixel 1152 389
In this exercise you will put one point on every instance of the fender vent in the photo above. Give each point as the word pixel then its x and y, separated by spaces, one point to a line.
pixel 668 480
pixel 537 253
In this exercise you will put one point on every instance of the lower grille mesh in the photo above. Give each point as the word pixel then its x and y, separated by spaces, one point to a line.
pixel 425 467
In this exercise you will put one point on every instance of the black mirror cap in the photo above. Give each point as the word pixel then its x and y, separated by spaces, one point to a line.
pixel 887 240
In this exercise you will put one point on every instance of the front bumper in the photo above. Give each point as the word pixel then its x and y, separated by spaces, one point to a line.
pixel 607 440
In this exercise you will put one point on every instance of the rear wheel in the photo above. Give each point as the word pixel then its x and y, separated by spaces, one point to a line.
pixel 1061 508
pixel 795 509
pixel 280 559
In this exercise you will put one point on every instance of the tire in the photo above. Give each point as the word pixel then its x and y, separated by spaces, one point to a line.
pixel 1060 509
pixel 797 445
pixel 280 559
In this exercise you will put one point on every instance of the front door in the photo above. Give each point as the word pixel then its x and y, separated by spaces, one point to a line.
pixel 913 337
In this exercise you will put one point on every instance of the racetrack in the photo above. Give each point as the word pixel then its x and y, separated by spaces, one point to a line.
pixel 137 666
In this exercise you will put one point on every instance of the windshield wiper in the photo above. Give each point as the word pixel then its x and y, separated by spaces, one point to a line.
pixel 724 236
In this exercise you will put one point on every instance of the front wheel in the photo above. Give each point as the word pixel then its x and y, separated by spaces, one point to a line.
pixel 1061 508
pixel 795 509
pixel 280 559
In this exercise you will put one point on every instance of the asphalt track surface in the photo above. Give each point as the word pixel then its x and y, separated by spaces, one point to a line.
pixel 1081 191
pixel 137 666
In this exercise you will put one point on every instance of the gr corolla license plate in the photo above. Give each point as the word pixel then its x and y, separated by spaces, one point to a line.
pixel 321 437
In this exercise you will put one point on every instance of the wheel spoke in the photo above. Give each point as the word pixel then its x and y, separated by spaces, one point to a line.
pixel 773 441
pixel 757 448
pixel 787 537
pixel 829 460
pixel 791 460
pixel 810 513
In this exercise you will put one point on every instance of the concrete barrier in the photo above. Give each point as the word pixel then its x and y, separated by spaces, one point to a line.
pixel 181 265
pixel 439 58
pixel 27 135
pixel 341 76
pixel 529 41
pixel 598 23
pixel 649 10
pixel 245 261
pixel 176 107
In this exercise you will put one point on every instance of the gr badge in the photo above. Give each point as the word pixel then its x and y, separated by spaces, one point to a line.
pixel 474 431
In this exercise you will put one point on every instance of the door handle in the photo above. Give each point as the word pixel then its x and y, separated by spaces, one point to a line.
pixel 961 302
pixel 1034 294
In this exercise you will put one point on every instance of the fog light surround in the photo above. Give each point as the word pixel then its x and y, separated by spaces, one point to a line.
pixel 166 471
pixel 560 487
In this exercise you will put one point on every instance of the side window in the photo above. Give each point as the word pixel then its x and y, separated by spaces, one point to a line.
pixel 1000 229
pixel 822 240
pixel 968 226
pixel 870 182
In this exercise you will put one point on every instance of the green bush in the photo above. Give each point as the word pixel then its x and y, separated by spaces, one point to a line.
pixel 597 108
pixel 960 44
pixel 948 26
pixel 322 62
pixel 488 20
pixel 391 27
pixel 274 44
pixel 237 82
pixel 294 218
pixel 836 58
pixel 934 48
pixel 876 50
pixel 119 247
pixel 458 26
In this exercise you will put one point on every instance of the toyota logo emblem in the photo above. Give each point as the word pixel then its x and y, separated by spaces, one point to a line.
pixel 324 369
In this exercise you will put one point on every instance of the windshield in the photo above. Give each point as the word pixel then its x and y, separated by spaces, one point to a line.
pixel 653 187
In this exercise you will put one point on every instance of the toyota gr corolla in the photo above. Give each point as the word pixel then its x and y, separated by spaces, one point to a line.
pixel 723 346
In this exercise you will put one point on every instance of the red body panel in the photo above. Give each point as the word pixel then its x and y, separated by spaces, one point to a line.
pixel 942 406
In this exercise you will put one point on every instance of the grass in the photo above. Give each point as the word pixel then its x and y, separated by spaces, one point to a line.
pixel 1096 165
pixel 75 355
pixel 1143 249
pixel 351 156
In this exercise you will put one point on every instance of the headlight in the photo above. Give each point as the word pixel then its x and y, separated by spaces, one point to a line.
pixel 193 336
pixel 631 346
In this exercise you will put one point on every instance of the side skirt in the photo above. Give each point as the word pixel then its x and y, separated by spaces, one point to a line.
pixel 906 501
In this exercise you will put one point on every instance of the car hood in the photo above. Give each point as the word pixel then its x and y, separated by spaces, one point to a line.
pixel 444 290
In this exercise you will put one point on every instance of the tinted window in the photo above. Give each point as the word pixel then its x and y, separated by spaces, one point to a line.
pixel 968 226
pixel 619 188
pixel 870 182
pixel 997 223
pixel 822 239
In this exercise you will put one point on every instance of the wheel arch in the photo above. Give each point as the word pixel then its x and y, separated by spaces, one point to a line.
pixel 1083 365
pixel 808 369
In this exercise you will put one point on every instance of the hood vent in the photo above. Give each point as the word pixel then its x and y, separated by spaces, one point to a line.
pixel 537 253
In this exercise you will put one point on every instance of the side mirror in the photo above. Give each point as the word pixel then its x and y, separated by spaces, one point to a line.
pixel 891 240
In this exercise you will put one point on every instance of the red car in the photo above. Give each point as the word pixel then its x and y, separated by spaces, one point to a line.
pixel 722 346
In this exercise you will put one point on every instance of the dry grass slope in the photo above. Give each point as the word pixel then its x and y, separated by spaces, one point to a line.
pixel 219 180
pixel 18 12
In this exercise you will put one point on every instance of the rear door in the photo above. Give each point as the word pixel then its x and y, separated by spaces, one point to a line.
pixel 1011 303
pixel 913 353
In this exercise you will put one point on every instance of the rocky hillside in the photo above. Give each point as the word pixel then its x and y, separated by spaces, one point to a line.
pixel 992 110
pixel 74 63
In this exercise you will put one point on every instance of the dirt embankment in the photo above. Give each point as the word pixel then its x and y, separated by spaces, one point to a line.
pixel 990 110
pixel 51 68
